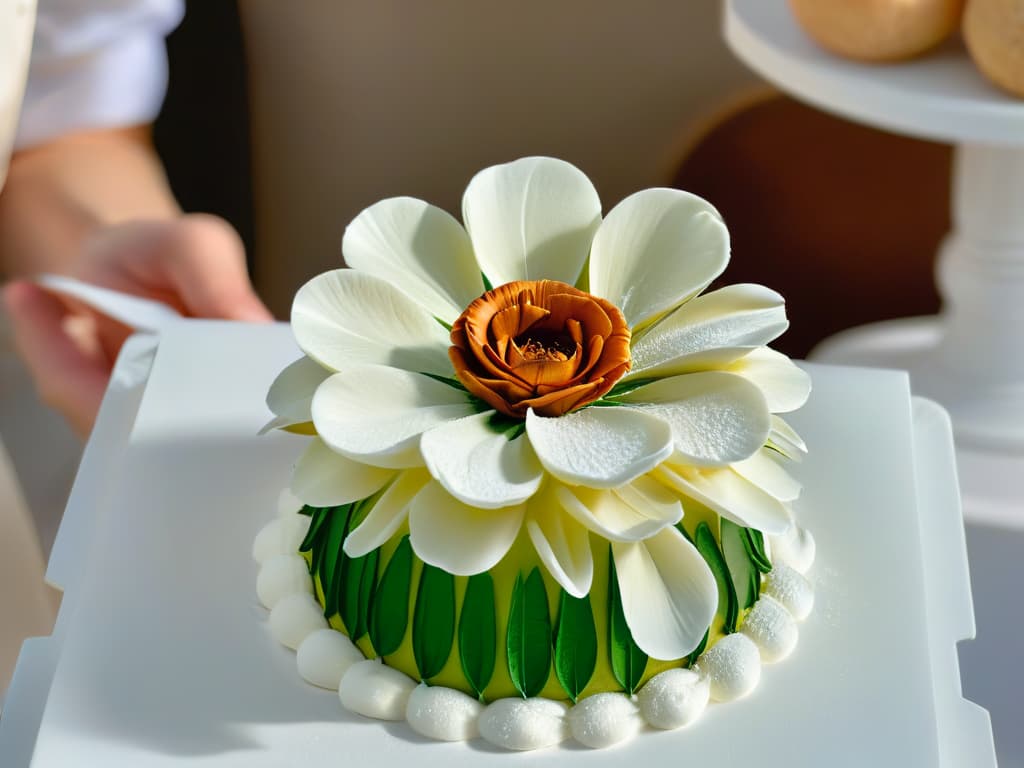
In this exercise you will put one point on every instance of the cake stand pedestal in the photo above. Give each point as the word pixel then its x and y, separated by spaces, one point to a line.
pixel 971 356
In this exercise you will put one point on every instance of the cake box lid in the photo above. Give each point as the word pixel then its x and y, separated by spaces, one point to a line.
pixel 162 653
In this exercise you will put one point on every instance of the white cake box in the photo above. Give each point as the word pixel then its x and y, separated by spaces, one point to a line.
pixel 162 655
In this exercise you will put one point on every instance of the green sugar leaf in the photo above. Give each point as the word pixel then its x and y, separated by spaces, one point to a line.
pixel 728 607
pixel 575 644
pixel 755 548
pixel 478 632
pixel 453 383
pixel 628 661
pixel 486 282
pixel 389 616
pixel 529 635
pixel 742 571
pixel 318 516
pixel 433 621
pixel 331 561
pixel 307 510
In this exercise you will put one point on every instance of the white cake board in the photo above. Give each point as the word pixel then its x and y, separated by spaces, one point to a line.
pixel 167 657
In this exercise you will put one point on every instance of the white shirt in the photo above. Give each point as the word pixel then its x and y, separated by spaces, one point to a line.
pixel 95 64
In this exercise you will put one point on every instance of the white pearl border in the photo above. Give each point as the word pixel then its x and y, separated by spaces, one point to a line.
pixel 671 699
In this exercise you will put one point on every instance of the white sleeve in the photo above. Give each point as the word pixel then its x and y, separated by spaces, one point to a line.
pixel 96 64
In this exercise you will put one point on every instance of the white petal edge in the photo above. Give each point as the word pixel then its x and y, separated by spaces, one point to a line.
pixel 344 317
pixel 716 418
pixel 530 219
pixel 599 447
pixel 290 397
pixel 323 478
pixel 656 249
pixel 730 495
pixel 480 467
pixel 562 544
pixel 456 537
pixel 785 385
pixel 375 414
pixel 784 438
pixel 420 249
pixel 764 471
pixel 387 514
pixel 710 330
pixel 669 595
pixel 605 513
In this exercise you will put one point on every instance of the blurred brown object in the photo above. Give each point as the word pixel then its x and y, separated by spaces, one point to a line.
pixel 844 221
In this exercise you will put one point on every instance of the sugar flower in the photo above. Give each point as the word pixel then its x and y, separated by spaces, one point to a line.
pixel 547 371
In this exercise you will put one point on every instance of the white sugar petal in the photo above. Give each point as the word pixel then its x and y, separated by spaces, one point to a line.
pixel 785 385
pixel 480 467
pixel 604 719
pixel 764 471
pixel 669 595
pixel 656 249
pixel 605 513
pixel 323 478
pixel 524 724
pixel 673 698
pixel 420 249
pixel 530 219
pixel 456 537
pixel 375 414
pixel 387 514
pixel 599 447
pixel 294 618
pixel 732 666
pixel 730 495
pixel 562 544
pixel 710 330
pixel 369 688
pixel 324 657
pixel 280 576
pixel 291 395
pixel 344 317
pixel 443 713
pixel 716 418
pixel 651 499
pixel 785 439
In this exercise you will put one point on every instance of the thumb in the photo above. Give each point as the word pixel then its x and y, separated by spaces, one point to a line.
pixel 196 262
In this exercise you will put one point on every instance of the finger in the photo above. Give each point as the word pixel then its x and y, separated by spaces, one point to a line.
pixel 66 377
pixel 195 263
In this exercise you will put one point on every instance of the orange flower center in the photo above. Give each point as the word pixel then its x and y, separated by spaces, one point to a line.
pixel 539 344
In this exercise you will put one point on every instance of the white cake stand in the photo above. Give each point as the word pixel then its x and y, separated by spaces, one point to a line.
pixel 971 356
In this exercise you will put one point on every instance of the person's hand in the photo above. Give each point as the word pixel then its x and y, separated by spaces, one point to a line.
pixel 195 263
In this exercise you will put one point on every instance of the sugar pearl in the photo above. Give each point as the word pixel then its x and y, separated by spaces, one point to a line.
pixel 732 666
pixel 771 628
pixel 294 618
pixel 791 589
pixel 372 689
pixel 673 698
pixel 443 713
pixel 604 719
pixel 794 548
pixel 324 657
pixel 524 724
pixel 281 536
pixel 280 576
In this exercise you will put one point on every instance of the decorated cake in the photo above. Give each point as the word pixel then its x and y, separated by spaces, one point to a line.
pixel 545 492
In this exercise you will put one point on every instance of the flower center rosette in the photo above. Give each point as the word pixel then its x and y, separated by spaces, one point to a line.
pixel 543 463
